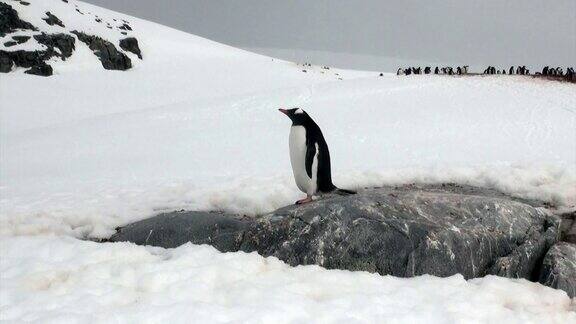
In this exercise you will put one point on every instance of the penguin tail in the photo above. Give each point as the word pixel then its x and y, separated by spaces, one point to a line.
pixel 344 192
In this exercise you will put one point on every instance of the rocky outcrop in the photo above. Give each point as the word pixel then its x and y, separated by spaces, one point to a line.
pixel 9 20
pixel 52 20
pixel 61 45
pixel 402 231
pixel 41 69
pixel 109 56
pixel 559 268
pixel 130 44
pixel 36 60
pixel 63 42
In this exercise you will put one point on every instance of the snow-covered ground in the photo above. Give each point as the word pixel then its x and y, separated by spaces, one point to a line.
pixel 195 125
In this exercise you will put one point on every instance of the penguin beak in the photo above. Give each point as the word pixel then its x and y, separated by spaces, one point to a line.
pixel 284 111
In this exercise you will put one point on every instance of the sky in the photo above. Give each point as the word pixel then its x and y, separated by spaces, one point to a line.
pixel 378 34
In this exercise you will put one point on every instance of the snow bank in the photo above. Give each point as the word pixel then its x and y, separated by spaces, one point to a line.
pixel 124 283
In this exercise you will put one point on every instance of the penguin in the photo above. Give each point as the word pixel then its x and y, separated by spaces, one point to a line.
pixel 309 156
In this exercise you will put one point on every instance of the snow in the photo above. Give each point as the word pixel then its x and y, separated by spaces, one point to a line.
pixel 195 126
pixel 87 282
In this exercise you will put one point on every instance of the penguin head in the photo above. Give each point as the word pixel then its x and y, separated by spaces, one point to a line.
pixel 297 115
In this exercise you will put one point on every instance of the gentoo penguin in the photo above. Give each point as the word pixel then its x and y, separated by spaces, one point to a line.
pixel 309 156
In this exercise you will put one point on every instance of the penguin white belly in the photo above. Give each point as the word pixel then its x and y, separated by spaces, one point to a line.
pixel 297 143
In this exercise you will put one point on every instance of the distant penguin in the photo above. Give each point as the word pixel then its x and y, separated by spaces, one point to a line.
pixel 309 156
pixel 427 70
pixel 436 70
pixel 511 71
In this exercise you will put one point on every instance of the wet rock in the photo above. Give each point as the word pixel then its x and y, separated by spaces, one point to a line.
pixel 130 44
pixel 109 56
pixel 41 69
pixel 559 268
pixel 9 20
pixel 53 20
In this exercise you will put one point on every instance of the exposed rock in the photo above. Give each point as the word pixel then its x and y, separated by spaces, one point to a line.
pixel 10 43
pixel 404 231
pixel 111 58
pixel 9 20
pixel 23 58
pixel 6 63
pixel 53 20
pixel 130 44
pixel 63 42
pixel 559 268
pixel 125 26
pixel 568 226
pixel 174 229
pixel 24 3
pixel 21 39
pixel 41 69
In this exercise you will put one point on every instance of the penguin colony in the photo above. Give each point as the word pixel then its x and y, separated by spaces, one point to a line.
pixel 310 157
pixel 558 73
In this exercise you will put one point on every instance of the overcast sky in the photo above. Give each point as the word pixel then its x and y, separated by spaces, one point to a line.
pixel 365 34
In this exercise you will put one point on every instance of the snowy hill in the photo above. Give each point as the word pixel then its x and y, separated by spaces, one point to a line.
pixel 194 125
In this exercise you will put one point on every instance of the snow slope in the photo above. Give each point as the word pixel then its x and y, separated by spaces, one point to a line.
pixel 195 125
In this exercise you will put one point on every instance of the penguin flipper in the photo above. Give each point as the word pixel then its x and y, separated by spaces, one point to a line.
pixel 310 155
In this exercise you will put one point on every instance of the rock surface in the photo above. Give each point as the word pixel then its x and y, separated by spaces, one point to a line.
pixel 111 58
pixel 559 268
pixel 402 231
pixel 9 20
pixel 130 44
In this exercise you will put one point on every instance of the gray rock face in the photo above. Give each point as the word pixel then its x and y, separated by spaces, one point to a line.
pixel 177 228
pixel 111 58
pixel 407 233
pixel 404 231
pixel 559 268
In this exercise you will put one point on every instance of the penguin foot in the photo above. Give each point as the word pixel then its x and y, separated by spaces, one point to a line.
pixel 303 201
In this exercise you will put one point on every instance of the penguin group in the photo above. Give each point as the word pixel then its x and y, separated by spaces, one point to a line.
pixel 460 70
pixel 569 75
pixel 519 70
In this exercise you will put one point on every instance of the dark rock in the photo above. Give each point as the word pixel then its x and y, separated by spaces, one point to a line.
pixel 63 42
pixel 41 69
pixel 109 56
pixel 568 226
pixel 53 20
pixel 23 58
pixel 6 63
pixel 559 268
pixel 177 228
pixel 65 1
pixel 21 39
pixel 9 20
pixel 10 43
pixel 125 26
pixel 24 3
pixel 80 12
pixel 130 44
pixel 402 231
